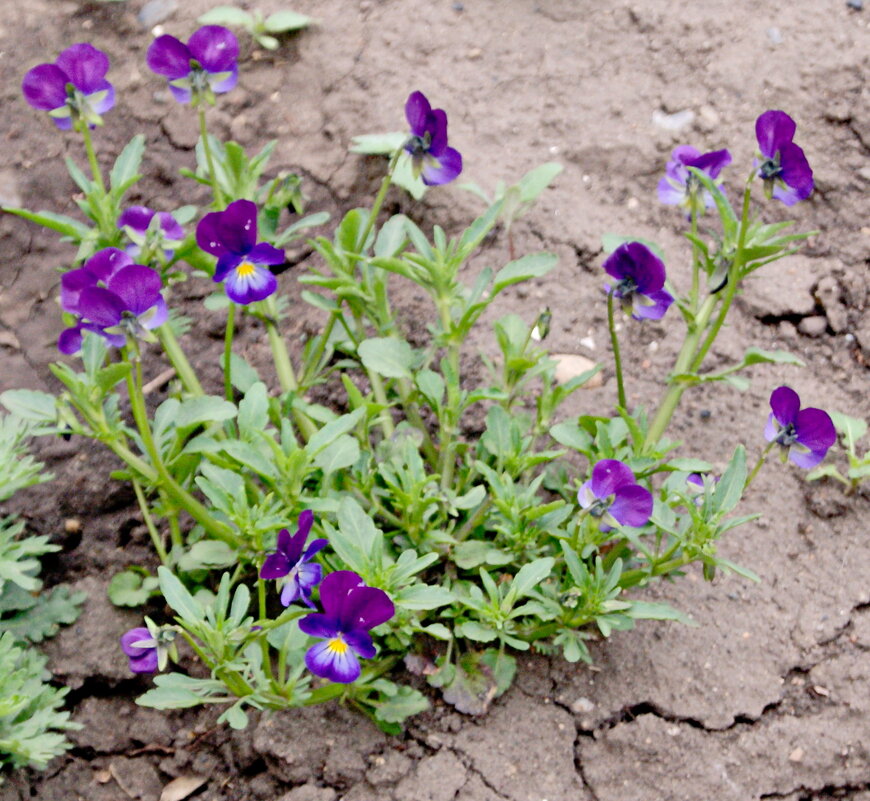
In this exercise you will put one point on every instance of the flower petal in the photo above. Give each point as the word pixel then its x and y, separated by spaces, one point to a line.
pixel 237 226
pixel 335 588
pixel 170 226
pixel 71 286
pixel 100 306
pixel 169 57
pixel 103 99
pixel 440 171
pixel 146 663
pixel 215 48
pixel 328 662
pixel 361 642
pixel 636 261
pixel 436 126
pixel 771 429
pixel 608 475
pixel 651 306
pixel 264 253
pixel 632 505
pixel 251 287
pixel 815 429
pixel 70 340
pixel 275 566
pixel 670 193
pixel 314 548
pixel 134 635
pixel 224 81
pixel 713 162
pixel 796 171
pixel 138 286
pixel 44 87
pixel 585 496
pixel 85 65
pixel 136 217
pixel 773 129
pixel 319 625
pixel 227 262
pixel 785 404
pixel 106 262
pixel 306 516
pixel 365 608
pixel 417 109
pixel 208 234
pixel 803 457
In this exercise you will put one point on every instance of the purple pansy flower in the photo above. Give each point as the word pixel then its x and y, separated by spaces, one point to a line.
pixel 141 647
pixel 641 277
pixel 112 297
pixel 231 235
pixel 350 611
pixel 427 144
pixel 785 169
pixel 807 433
pixel 680 188
pixel 136 220
pixel 206 64
pixel 613 495
pixel 289 560
pixel 73 88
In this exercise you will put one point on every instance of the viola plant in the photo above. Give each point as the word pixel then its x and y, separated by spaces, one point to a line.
pixel 417 543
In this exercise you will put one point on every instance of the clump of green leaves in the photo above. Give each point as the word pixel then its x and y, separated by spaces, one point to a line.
pixel 263 29
pixel 851 430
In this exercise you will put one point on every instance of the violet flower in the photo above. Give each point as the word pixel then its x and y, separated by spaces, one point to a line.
pixel 231 235
pixel 112 297
pixel 196 70
pixel 136 221
pixel 350 611
pixel 641 277
pixel 427 144
pixel 141 648
pixel 613 495
pixel 289 561
pixel 73 88
pixel 806 433
pixel 679 187
pixel 785 169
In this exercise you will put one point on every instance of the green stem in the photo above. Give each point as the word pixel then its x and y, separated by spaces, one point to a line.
pixel 617 359
pixel 179 361
pixel 228 352
pixel 156 539
pixel 696 264
pixel 379 199
pixel 312 368
pixel 209 159
pixel 758 465
pixel 92 157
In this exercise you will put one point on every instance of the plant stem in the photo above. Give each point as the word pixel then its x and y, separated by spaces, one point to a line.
pixel 228 352
pixel 283 365
pixel 379 199
pixel 617 359
pixel 758 465
pixel 156 539
pixel 178 359
pixel 209 159
pixel 92 157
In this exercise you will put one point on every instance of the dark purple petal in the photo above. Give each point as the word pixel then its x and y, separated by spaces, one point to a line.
pixel 651 306
pixel 136 217
pixel 285 541
pixel 44 87
pixel 436 126
pixel 275 566
pixel 773 129
pixel 264 253
pixel 137 286
pixel 785 403
pixel 608 475
pixel 71 286
pixel 712 163
pixel 208 234
pixel 215 48
pixel 292 547
pixel 335 588
pixel 796 171
pixel 249 283
pixel 334 660
pixel 365 608
pixel 306 516
pixel 318 625
pixel 680 156
pixel 311 550
pixel 632 505
pixel 815 429
pixel 440 171
pixel 636 261
pixel 101 307
pixel 237 226
pixel 361 642
pixel 70 340
pixel 417 109
pixel 147 663
pixel 228 261
pixel 85 65
pixel 106 262
pixel 169 57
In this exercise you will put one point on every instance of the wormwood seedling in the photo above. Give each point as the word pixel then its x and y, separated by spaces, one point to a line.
pixel 411 542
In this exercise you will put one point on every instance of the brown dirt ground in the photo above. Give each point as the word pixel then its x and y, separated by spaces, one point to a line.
pixel 769 697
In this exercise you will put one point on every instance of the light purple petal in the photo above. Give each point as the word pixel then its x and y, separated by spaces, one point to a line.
pixel 264 253
pixel 169 57
pixel 773 129
pixel 170 226
pixel 585 496
pixel 215 48
pixel 417 109
pixel 326 661
pixel 182 94
pixel 805 458
pixel 147 663
pixel 291 591
pixel 44 87
pixel 608 475
pixel 136 217
pixel 275 566
pixel 309 575
pixel 785 404
pixel 245 287
pixel 208 234
pixel 318 625
pixel 365 608
pixel 85 65
pixel 815 429
pixel 771 429
pixel 138 286
pixel 134 635
pixel 361 642
pixel 440 171
pixel 651 306
pixel 70 340
pixel 632 505
pixel 219 84
pixel 671 194
pixel 237 226
pixel 101 307
pixel 103 99
pixel 335 588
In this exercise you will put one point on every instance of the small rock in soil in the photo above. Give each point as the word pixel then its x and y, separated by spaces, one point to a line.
pixel 309 792
pixel 813 326
pixel 155 12
pixel 570 365
pixel 673 122
pixel 783 288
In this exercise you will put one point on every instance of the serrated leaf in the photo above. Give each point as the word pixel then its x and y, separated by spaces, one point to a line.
pixel 131 588
pixel 55 608
pixel 30 404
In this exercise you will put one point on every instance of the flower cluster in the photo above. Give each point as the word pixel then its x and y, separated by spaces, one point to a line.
pixel 73 88
pixel 113 297
pixel 614 496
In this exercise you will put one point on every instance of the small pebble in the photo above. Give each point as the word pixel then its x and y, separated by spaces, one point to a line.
pixel 458 7
pixel 673 122
pixel 775 35
pixel 797 755
pixel 156 11
pixel 814 326
pixel 858 5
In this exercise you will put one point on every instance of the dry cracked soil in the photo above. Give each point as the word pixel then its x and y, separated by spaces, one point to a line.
pixel 769 696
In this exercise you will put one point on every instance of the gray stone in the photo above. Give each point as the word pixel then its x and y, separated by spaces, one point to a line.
pixel 814 326
pixel 156 11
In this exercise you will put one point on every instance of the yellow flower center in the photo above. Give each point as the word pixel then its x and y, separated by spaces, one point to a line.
pixel 245 269
pixel 337 645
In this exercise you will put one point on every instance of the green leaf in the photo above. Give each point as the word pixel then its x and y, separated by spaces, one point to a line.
pixel 535 265
pixel 688 465
pixel 472 630
pixel 758 356
pixel 67 226
pixel 402 705
pixel 177 596
pixel 81 180
pixel 205 409
pixel 177 691
pixel 333 430
pixel 571 435
pixel 851 428
pixel 473 553
pixel 243 375
pixel 207 555
pixel 423 596
pixel 387 356
pixel 53 609
pixel 378 144
pixel 339 454
pixel 529 576
pixel 30 404
pixel 438 630
pixel 126 166
pixel 254 410
pixel 537 180
pixel 282 21
pixel 131 588
pixel 729 490
pixel 649 610
pixel 227 15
